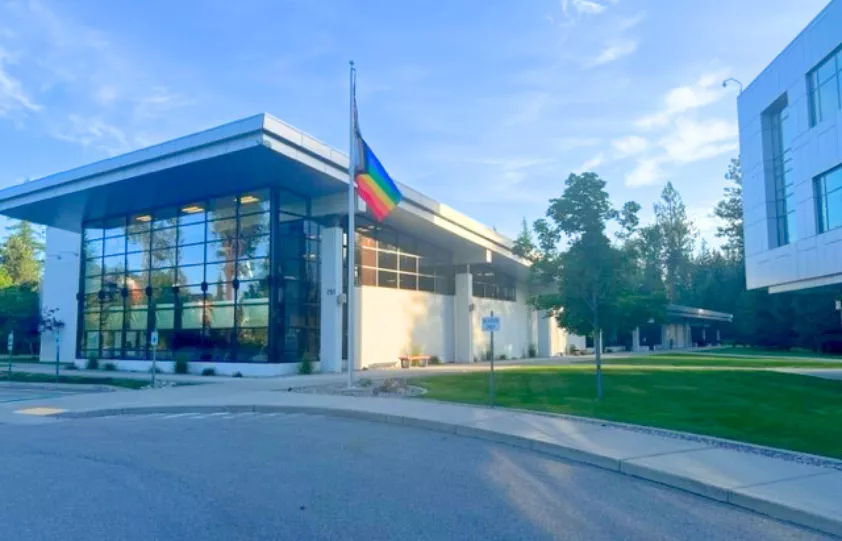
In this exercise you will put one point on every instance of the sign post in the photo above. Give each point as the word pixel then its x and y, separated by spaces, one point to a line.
pixel 153 341
pixel 57 334
pixel 491 324
pixel 10 345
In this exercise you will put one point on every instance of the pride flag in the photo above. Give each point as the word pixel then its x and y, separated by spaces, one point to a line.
pixel 375 185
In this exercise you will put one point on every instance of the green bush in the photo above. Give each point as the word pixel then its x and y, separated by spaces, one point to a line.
pixel 109 367
pixel 502 357
pixel 532 352
pixel 209 371
pixel 237 375
pixel 306 366
pixel 365 382
pixel 181 366
pixel 92 364
pixel 434 359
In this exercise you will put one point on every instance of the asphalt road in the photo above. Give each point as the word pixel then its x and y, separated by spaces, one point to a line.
pixel 232 477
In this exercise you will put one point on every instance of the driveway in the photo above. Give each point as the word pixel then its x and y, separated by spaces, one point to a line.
pixel 236 476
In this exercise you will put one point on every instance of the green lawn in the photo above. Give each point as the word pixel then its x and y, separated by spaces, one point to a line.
pixel 768 408
pixel 804 353
pixel 693 359
pixel 28 377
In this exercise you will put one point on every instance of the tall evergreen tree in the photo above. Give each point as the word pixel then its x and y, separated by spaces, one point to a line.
pixel 678 236
pixel 730 211
pixel 21 254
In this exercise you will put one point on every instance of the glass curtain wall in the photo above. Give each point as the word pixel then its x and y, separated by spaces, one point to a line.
pixel 199 273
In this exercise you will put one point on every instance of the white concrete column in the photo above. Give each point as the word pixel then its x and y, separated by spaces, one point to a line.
pixel 331 290
pixel 665 336
pixel 688 333
pixel 545 335
pixel 463 318
pixel 717 336
pixel 59 289
pixel 636 339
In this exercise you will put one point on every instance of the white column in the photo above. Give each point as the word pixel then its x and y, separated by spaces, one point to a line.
pixel 688 332
pixel 61 284
pixel 463 318
pixel 717 336
pixel 636 339
pixel 545 335
pixel 331 309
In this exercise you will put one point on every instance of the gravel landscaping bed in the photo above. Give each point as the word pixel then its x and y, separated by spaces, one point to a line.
pixel 389 388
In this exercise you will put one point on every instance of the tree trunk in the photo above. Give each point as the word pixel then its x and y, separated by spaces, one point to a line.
pixel 597 343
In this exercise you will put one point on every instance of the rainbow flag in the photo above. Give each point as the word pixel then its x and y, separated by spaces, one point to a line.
pixel 375 185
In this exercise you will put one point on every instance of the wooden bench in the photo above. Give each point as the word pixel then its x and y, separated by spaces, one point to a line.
pixel 419 360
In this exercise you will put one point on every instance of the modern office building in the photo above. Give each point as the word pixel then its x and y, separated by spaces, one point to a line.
pixel 230 243
pixel 791 151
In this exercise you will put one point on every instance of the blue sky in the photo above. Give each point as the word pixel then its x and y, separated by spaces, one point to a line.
pixel 486 105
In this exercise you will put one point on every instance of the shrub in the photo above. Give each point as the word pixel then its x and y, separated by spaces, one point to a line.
pixel 181 366
pixel 306 366
pixel 71 366
pixel 532 352
pixel 109 367
pixel 209 371
pixel 237 375
pixel 502 357
pixel 92 364
pixel 365 382
pixel 434 359
pixel 487 355
pixel 156 370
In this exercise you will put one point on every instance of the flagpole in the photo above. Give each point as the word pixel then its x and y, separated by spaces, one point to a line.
pixel 352 209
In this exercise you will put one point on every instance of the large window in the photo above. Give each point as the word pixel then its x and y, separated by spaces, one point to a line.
pixel 199 273
pixel 492 284
pixel 824 88
pixel 780 132
pixel 828 190
pixel 385 258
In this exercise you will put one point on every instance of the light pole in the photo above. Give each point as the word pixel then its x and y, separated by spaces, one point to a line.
pixel 732 80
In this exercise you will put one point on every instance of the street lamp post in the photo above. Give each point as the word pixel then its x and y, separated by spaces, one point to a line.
pixel 732 80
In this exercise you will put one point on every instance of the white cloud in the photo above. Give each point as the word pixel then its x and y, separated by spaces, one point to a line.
pixel 704 220
pixel 567 144
pixel 12 95
pixel 705 91
pixel 613 52
pixel 647 171
pixel 692 141
pixel 91 132
pixel 592 163
pixel 585 7
pixel 629 146
pixel 106 94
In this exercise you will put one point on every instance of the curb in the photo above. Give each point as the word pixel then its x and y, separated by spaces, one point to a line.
pixel 769 508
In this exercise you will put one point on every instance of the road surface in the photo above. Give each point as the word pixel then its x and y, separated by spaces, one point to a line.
pixel 257 476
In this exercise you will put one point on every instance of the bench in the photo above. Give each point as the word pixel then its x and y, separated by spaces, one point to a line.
pixel 420 360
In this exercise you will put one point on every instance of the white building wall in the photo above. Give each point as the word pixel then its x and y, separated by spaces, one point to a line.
pixel 394 321
pixel 514 337
pixel 61 283
pixel 812 259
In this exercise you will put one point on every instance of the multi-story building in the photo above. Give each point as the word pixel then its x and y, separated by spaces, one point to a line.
pixel 791 152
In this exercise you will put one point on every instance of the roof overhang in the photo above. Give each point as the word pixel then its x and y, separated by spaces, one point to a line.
pixel 675 311
pixel 254 152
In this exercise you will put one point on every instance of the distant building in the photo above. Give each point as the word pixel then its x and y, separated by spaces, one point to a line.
pixel 791 151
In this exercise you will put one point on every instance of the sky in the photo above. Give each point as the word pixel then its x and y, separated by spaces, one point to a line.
pixel 485 105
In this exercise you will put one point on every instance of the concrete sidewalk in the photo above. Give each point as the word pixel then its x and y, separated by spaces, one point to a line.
pixel 784 486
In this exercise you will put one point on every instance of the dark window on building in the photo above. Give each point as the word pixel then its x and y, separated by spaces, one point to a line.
pixel 823 84
pixel 200 274
pixel 489 283
pixel 386 258
pixel 828 190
